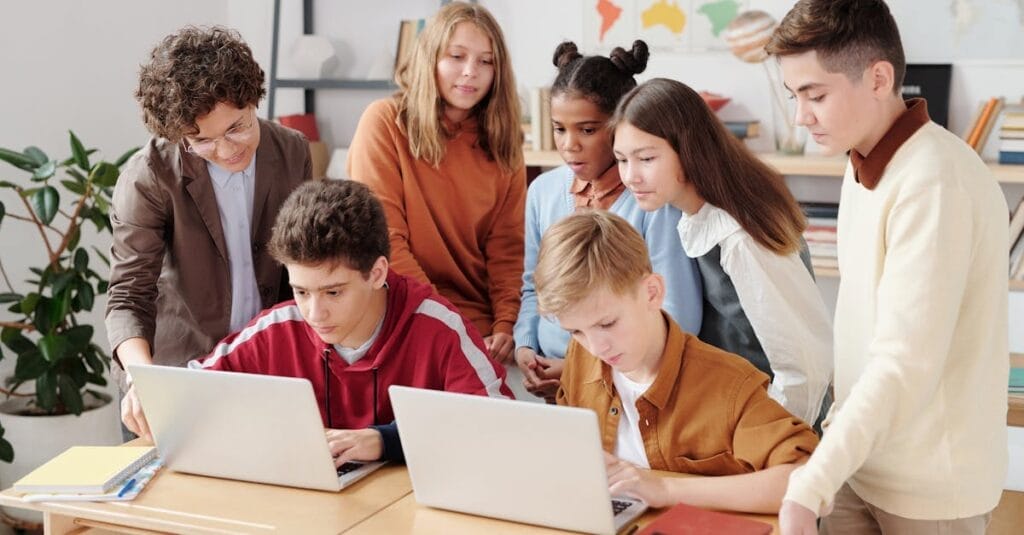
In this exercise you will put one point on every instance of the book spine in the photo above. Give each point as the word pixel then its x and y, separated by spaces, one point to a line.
pixel 1012 158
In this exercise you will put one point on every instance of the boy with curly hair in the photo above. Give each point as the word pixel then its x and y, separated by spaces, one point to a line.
pixel 192 211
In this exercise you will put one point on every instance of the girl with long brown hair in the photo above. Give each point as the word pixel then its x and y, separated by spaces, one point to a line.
pixel 444 155
pixel 742 226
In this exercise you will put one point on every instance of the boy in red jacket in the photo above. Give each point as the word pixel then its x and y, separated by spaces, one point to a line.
pixel 355 327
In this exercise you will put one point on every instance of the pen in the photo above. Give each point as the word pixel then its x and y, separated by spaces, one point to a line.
pixel 127 487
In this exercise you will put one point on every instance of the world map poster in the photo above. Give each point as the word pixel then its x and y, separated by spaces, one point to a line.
pixel 672 25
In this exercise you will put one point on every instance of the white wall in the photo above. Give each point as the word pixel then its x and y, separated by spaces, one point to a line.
pixel 74 65
pixel 70 65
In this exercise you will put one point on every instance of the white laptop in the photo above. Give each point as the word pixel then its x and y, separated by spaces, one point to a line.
pixel 527 462
pixel 259 428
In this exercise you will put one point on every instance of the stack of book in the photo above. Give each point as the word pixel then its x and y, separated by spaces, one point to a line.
pixel 1017 242
pixel 744 129
pixel 977 134
pixel 820 233
pixel 1017 380
pixel 541 135
pixel 1011 137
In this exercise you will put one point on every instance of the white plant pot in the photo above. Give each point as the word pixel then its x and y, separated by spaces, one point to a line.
pixel 37 439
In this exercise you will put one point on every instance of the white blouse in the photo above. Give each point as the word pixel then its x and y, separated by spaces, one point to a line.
pixel 782 303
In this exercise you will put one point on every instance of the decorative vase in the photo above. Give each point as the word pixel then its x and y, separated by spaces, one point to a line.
pixel 789 138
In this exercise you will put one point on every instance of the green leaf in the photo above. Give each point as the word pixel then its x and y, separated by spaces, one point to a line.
pixel 28 304
pixel 94 362
pixel 102 287
pixel 46 391
pixel 74 187
pixel 15 341
pixel 71 160
pixel 102 205
pixel 45 171
pixel 79 336
pixel 81 261
pixel 99 219
pixel 45 202
pixel 10 297
pixel 53 347
pixel 70 394
pixel 103 257
pixel 7 184
pixel 75 368
pixel 76 236
pixel 49 313
pixel 104 174
pixel 17 159
pixel 3 211
pixel 36 155
pixel 121 160
pixel 60 282
pixel 30 366
pixel 6 451
pixel 76 174
pixel 86 296
pixel 78 153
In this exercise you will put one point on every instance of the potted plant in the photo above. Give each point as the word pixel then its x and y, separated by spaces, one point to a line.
pixel 57 201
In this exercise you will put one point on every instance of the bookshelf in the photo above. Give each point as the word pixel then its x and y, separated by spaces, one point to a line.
pixel 813 166
pixel 309 85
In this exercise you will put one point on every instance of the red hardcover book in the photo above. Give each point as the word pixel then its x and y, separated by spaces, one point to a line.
pixel 303 122
pixel 685 519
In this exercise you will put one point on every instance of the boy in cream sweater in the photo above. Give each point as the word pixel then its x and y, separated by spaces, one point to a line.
pixel 917 437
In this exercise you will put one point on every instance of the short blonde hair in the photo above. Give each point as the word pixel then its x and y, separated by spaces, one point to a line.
pixel 420 105
pixel 586 251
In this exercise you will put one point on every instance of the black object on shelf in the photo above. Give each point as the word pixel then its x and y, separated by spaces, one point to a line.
pixel 930 81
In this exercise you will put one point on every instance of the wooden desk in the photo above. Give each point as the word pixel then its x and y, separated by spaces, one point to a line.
pixel 406 516
pixel 181 503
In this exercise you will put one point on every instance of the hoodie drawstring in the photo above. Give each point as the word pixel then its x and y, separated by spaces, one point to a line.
pixel 374 395
pixel 327 388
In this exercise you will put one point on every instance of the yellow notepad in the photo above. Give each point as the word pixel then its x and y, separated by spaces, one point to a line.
pixel 86 469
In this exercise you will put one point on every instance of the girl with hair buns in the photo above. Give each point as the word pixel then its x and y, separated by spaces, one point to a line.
pixel 444 156
pixel 742 226
pixel 583 98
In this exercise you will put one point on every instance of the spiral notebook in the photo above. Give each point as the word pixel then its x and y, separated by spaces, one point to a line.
pixel 87 470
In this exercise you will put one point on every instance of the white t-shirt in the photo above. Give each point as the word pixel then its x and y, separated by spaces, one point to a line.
pixel 629 446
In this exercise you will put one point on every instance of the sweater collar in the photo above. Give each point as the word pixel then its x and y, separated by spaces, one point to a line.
pixel 599 193
pixel 867 170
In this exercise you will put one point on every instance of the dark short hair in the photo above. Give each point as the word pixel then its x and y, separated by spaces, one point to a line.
pixel 333 222
pixel 602 80
pixel 190 72
pixel 848 35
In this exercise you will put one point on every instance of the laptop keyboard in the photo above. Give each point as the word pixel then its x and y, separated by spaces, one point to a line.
pixel 619 506
pixel 348 467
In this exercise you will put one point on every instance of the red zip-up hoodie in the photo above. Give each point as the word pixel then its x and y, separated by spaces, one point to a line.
pixel 424 342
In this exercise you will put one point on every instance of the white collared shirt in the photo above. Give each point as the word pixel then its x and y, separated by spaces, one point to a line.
pixel 781 301
pixel 234 192
pixel 629 445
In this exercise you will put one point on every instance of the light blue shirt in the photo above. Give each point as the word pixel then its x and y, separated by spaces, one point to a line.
pixel 234 192
pixel 547 201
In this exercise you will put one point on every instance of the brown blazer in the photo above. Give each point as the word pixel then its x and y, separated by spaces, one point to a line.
pixel 170 281
pixel 707 412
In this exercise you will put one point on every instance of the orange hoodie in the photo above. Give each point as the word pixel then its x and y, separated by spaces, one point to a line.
pixel 458 226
